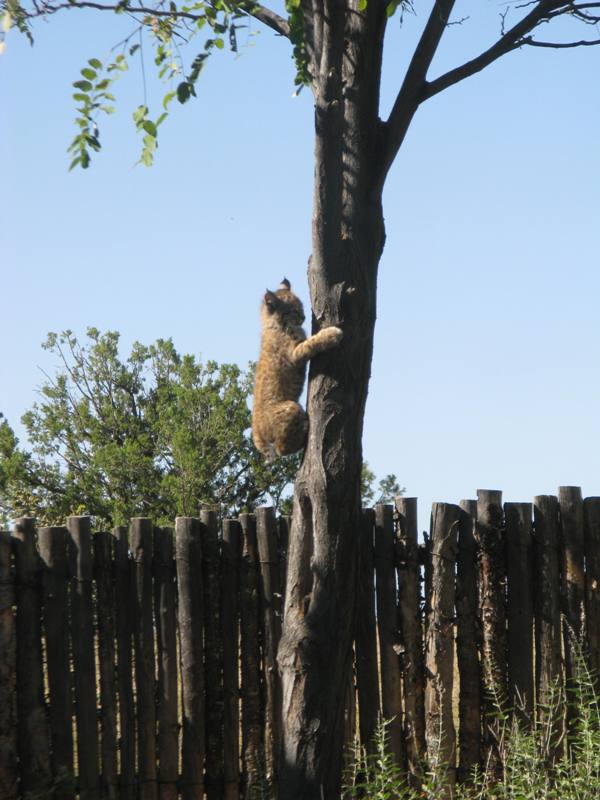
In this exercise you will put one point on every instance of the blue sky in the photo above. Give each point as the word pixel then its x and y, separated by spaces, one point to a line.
pixel 487 355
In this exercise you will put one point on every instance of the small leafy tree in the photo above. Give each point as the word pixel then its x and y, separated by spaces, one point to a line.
pixel 156 434
pixel 382 492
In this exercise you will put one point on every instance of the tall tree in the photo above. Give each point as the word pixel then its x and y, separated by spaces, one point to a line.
pixel 338 46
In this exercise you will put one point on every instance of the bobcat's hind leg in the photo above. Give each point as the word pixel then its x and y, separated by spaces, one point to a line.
pixel 290 426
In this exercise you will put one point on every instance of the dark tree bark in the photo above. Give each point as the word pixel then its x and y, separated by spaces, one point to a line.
pixel 348 237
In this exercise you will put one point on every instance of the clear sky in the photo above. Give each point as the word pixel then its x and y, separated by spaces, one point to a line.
pixel 487 354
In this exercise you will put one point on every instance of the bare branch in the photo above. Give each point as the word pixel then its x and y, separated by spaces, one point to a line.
pixel 560 45
pixel 511 40
pixel 259 12
pixel 407 100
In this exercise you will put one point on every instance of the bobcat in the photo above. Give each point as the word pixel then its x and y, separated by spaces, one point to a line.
pixel 279 423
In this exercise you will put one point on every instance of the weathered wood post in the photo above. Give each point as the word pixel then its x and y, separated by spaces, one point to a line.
pixel 266 532
pixel 105 604
pixel 166 643
pixel 32 732
pixel 519 563
pixel 591 507
pixel 82 637
pixel 252 738
pixel 468 642
pixel 52 544
pixel 571 537
pixel 366 635
pixel 143 639
pixel 411 631
pixel 387 626
pixel 8 670
pixel 492 605
pixel 439 644
pixel 124 606
pixel 547 612
pixel 213 654
pixel 190 611
pixel 230 612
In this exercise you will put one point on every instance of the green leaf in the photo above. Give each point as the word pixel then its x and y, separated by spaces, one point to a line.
pixel 90 74
pixel 85 86
pixel 81 98
pixel 139 114
pixel 93 62
pixel 161 119
pixel 391 7
pixel 149 127
pixel 362 5
pixel 219 43
pixel 74 163
pixel 183 92
pixel 133 49
pixel 167 99
pixel 103 84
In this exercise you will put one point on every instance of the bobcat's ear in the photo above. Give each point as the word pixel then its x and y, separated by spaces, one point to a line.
pixel 285 284
pixel 271 300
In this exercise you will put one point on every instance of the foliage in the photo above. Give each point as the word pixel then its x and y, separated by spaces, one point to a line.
pixel 539 764
pixel 383 492
pixel 157 434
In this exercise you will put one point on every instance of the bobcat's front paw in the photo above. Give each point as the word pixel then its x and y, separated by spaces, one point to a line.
pixel 332 335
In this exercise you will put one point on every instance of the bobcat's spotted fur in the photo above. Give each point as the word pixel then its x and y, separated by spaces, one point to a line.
pixel 279 423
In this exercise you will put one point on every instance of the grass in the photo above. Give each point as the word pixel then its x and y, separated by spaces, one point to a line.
pixel 540 762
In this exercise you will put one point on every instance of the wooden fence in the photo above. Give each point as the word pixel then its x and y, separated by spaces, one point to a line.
pixel 142 663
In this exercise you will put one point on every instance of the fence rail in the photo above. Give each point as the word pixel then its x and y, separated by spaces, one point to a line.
pixel 142 662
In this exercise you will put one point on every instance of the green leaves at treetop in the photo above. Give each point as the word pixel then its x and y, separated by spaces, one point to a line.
pixel 93 98
pixel 165 32
pixel 154 434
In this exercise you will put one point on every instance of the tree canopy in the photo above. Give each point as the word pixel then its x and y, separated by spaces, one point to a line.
pixel 155 434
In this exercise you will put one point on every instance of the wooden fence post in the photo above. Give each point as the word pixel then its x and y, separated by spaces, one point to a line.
pixel 231 549
pixel 439 645
pixel 52 543
pixel 213 655
pixel 143 639
pixel 8 669
pixel 519 563
pixel 468 641
pixel 284 524
pixel 571 536
pixel 367 677
pixel 387 625
pixel 124 607
pixel 166 643
pixel 105 603
pixel 547 609
pixel 190 610
pixel 411 631
pixel 266 533
pixel 591 507
pixel 82 637
pixel 492 604
pixel 252 740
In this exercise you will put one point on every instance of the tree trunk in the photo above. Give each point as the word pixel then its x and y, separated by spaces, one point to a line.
pixel 348 237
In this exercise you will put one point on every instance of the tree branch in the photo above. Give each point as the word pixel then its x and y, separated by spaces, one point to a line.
pixel 407 100
pixel 514 38
pixel 559 45
pixel 259 12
